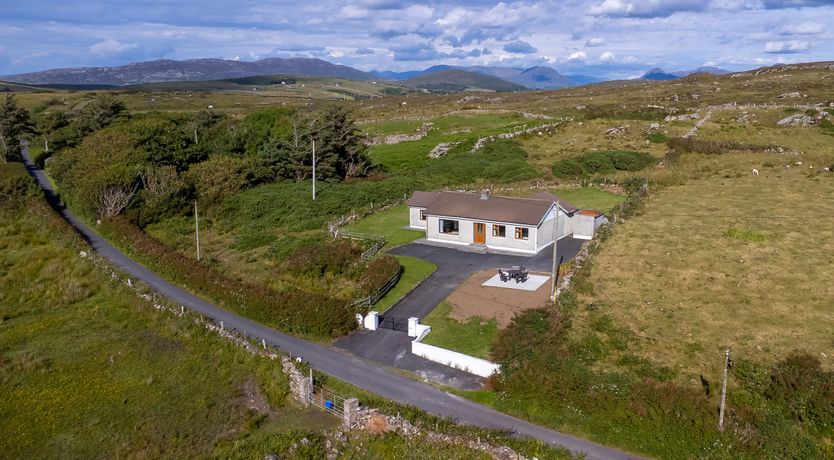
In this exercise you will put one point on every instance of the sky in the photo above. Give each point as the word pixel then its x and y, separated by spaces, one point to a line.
pixel 602 38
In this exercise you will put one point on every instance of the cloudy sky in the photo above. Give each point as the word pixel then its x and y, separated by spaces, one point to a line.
pixel 605 38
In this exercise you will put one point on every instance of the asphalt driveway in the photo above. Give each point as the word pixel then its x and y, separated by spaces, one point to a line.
pixel 393 349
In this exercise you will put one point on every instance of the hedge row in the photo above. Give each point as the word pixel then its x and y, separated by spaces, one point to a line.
pixel 294 311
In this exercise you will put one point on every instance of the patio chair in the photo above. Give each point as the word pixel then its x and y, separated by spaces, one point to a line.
pixel 503 276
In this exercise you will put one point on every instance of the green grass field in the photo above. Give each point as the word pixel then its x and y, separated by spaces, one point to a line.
pixel 474 337
pixel 414 271
pixel 737 264
pixel 388 224
pixel 88 370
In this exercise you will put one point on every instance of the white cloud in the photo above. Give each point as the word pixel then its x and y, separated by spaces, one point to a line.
pixel 787 47
pixel 110 47
pixel 645 8
pixel 595 41
pixel 579 56
pixel 607 56
pixel 803 28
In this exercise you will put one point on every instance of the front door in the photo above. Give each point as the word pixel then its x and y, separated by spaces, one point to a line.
pixel 480 233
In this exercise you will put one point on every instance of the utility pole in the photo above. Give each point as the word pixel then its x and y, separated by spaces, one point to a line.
pixel 314 169
pixel 197 228
pixel 723 391
pixel 195 137
pixel 555 251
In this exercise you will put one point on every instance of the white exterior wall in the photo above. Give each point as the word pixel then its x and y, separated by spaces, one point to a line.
pixel 466 234
pixel 454 359
pixel 546 229
pixel 414 218
pixel 509 242
pixel 583 226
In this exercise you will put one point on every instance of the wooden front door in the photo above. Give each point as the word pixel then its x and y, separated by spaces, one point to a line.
pixel 480 233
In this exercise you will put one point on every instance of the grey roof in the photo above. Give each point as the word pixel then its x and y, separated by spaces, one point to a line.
pixel 524 211
pixel 567 206
pixel 421 199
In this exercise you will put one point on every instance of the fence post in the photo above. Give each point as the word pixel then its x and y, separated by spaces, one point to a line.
pixel 351 407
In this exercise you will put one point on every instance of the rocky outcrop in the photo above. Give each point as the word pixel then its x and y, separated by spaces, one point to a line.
pixel 747 117
pixel 803 119
pixel 792 95
pixel 616 131
pixel 684 117
pixel 442 149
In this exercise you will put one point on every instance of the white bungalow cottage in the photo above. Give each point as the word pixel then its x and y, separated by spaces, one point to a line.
pixel 522 225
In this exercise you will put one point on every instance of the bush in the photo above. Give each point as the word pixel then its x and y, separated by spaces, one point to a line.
pixel 600 163
pixel 498 161
pixel 336 258
pixel 658 137
pixel 693 145
pixel 16 184
pixel 296 311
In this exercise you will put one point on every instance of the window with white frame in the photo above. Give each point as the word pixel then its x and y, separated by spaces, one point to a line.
pixel 422 214
pixel 450 227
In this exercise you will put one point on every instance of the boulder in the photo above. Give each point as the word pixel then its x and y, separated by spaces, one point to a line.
pixel 792 95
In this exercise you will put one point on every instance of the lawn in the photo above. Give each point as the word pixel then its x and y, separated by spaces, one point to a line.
pixel 740 263
pixel 87 370
pixel 414 271
pixel 472 337
pixel 388 224
pixel 590 198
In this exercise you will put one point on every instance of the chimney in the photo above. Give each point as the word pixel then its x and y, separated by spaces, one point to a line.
pixel 485 194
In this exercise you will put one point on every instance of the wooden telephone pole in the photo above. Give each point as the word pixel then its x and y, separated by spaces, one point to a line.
pixel 314 169
pixel 723 391
pixel 197 229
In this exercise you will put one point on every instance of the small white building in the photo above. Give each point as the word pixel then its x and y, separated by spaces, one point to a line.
pixel 522 225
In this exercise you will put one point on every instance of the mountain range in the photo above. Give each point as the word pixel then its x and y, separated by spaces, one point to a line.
pixel 660 74
pixel 165 70
pixel 537 77
pixel 455 80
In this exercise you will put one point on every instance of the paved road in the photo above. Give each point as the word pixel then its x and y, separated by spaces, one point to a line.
pixel 393 349
pixel 350 369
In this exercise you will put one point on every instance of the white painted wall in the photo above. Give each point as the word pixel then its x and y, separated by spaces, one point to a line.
pixel 585 226
pixel 545 233
pixel 464 235
pixel 414 218
pixel 509 242
pixel 454 359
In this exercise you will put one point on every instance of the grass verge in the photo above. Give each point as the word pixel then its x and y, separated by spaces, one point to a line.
pixel 473 337
pixel 414 272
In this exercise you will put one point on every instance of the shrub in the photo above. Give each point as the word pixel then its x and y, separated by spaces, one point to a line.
pixel 595 163
pixel 658 137
pixel 693 145
pixel 15 184
pixel 294 311
pixel 340 257
pixel 745 235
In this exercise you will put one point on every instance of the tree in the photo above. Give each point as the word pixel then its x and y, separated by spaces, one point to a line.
pixel 100 112
pixel 340 145
pixel 14 123
pixel 290 157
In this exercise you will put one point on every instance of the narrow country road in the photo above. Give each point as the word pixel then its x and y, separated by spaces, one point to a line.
pixel 350 369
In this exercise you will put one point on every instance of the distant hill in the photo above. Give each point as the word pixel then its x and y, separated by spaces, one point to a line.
pixel 706 69
pixel 396 76
pixel 454 80
pixel 164 70
pixel 538 77
pixel 658 74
